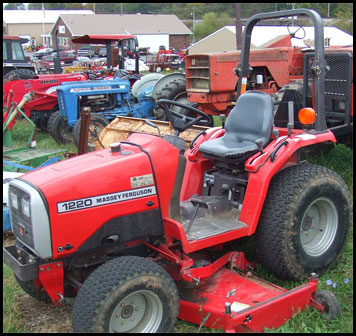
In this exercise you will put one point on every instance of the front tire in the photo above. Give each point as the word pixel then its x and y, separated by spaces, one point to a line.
pixel 59 129
pixel 126 294
pixel 304 223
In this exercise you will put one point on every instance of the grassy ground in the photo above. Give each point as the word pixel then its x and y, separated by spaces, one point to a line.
pixel 22 313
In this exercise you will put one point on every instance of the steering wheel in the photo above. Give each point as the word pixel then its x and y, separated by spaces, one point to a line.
pixel 181 122
pixel 293 34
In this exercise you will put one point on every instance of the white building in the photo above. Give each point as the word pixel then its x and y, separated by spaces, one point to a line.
pixel 224 39
pixel 34 24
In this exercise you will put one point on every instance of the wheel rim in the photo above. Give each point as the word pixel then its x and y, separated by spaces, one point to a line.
pixel 319 226
pixel 139 312
pixel 94 130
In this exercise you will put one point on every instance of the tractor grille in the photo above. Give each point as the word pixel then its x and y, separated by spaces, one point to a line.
pixel 198 74
pixel 337 86
pixel 20 223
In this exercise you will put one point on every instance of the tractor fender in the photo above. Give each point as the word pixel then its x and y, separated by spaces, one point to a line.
pixel 144 83
pixel 279 154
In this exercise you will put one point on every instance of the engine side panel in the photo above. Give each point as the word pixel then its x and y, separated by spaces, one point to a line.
pixel 94 189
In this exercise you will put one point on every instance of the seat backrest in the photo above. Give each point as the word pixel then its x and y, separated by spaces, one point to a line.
pixel 251 118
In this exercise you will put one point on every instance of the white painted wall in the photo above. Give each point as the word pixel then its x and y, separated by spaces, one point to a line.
pixel 153 41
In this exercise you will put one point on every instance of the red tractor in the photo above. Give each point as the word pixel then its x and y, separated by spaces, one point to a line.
pixel 138 239
pixel 45 101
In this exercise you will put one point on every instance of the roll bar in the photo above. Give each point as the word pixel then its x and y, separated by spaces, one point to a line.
pixel 318 67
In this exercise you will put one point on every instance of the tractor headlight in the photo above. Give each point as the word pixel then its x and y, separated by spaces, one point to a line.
pixel 25 207
pixel 29 217
pixel 13 201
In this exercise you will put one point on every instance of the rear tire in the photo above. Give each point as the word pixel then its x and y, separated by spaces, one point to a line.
pixel 171 91
pixel 176 90
pixel 18 74
pixel 126 294
pixel 96 125
pixel 304 223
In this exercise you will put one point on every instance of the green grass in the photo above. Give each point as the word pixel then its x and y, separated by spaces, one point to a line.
pixel 12 320
pixel 339 159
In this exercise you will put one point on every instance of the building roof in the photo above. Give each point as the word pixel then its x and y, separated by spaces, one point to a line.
pixel 263 34
pixel 135 24
pixel 37 16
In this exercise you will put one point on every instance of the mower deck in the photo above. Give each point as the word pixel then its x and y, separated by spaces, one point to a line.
pixel 255 304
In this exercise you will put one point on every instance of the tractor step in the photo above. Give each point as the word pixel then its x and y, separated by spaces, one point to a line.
pixel 208 226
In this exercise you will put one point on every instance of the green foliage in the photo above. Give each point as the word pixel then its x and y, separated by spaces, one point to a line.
pixel 211 22
pixel 344 18
pixel 184 10
pixel 15 6
pixel 11 321
pixel 339 159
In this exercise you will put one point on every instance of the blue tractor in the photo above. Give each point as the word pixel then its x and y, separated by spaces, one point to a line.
pixel 108 99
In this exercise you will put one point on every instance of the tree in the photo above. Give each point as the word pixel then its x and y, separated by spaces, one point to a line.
pixel 15 6
pixel 34 5
pixel 238 26
pixel 211 22
pixel 344 18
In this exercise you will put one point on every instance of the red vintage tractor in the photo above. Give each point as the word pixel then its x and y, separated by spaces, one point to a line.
pixel 45 101
pixel 136 232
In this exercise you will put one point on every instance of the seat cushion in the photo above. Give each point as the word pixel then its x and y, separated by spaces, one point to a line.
pixel 251 119
pixel 227 149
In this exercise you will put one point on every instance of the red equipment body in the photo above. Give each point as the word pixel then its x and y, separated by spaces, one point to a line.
pixel 255 304
pixel 44 87
pixel 136 164
pixel 140 158
pixel 260 171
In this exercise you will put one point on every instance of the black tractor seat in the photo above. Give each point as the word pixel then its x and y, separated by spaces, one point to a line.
pixel 247 128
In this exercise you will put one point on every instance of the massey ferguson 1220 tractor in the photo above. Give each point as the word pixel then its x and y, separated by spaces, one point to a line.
pixel 137 232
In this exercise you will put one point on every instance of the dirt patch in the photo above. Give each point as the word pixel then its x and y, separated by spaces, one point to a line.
pixel 39 317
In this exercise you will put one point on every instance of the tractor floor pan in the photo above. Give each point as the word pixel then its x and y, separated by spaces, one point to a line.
pixel 255 304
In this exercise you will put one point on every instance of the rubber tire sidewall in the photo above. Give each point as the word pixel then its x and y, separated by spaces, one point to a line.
pixel 309 195
pixel 277 237
pixel 97 118
pixel 19 74
pixel 330 303
pixel 55 121
pixel 170 91
pixel 30 288
pixel 110 283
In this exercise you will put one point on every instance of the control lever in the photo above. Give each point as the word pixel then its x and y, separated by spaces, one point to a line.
pixel 150 123
pixel 259 143
pixel 222 118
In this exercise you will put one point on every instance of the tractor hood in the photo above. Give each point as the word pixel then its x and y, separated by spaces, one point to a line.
pixel 97 176
pixel 87 192
pixel 88 175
